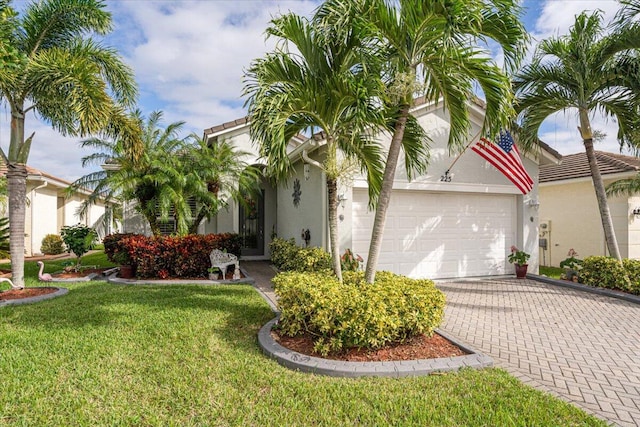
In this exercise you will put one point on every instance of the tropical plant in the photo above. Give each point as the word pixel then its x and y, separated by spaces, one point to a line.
pixel 4 238
pixel 572 261
pixel 78 239
pixel 430 50
pixel 68 79
pixel 317 80
pixel 518 257
pixel 585 71
pixel 351 261
pixel 215 172
pixel 9 55
pixel 170 176
pixel 152 180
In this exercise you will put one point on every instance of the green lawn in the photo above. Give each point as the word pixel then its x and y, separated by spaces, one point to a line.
pixel 188 355
pixel 552 272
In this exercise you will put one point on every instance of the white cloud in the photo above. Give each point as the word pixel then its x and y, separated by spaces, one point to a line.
pixel 557 16
pixel 560 131
pixel 189 58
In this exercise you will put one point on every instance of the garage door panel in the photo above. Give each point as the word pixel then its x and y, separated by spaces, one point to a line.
pixel 438 235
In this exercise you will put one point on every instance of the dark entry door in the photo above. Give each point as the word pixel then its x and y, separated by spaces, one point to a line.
pixel 252 225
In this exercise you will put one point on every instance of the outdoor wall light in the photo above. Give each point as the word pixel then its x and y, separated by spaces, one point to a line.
pixel 341 199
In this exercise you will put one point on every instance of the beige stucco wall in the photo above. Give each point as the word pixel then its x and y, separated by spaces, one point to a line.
pixel 48 211
pixel 310 212
pixel 572 209
pixel 42 208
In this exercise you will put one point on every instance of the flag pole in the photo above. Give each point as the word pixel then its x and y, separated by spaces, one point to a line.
pixel 446 177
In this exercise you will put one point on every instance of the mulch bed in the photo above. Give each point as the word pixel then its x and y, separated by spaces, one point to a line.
pixel 419 347
pixel 25 293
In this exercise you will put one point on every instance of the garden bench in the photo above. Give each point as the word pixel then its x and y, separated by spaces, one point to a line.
pixel 222 260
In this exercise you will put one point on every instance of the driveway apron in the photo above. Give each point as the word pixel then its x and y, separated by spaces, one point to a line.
pixel 581 347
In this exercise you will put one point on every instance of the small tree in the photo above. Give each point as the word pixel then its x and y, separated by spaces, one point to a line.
pixel 79 239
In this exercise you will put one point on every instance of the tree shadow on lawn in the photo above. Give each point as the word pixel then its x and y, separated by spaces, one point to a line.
pixel 95 304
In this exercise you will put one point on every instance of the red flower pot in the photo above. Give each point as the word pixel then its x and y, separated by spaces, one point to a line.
pixel 126 272
pixel 521 271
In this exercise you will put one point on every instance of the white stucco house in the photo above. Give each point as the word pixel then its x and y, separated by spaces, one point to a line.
pixel 48 209
pixel 569 214
pixel 435 229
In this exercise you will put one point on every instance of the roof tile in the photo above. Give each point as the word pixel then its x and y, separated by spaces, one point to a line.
pixel 576 166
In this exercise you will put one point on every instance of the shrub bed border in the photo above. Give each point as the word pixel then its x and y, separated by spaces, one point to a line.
pixel 395 369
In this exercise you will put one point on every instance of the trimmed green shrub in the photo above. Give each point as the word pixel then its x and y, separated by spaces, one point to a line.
pixel 78 239
pixel 52 244
pixel 282 251
pixel 354 314
pixel 607 272
pixel 287 256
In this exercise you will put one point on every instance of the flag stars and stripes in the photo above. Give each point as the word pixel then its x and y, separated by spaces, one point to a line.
pixel 504 155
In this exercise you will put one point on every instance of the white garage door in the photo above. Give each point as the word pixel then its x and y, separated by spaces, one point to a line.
pixel 440 235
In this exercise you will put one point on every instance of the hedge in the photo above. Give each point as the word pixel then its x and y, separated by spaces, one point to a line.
pixel 287 256
pixel 169 256
pixel 607 272
pixel 354 314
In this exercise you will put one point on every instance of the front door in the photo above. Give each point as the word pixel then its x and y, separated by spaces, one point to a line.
pixel 252 225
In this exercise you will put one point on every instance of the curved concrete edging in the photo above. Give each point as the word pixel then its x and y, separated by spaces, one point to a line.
pixel 337 368
pixel 38 298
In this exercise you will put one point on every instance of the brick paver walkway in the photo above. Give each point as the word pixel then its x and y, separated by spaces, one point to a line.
pixel 582 347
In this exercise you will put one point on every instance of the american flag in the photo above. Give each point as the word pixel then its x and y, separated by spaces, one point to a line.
pixel 506 158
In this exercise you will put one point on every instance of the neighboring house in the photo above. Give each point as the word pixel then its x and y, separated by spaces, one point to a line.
pixel 569 214
pixel 434 229
pixel 48 210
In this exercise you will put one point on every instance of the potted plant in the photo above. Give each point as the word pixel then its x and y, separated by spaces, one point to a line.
pixel 214 272
pixel 571 265
pixel 123 258
pixel 519 258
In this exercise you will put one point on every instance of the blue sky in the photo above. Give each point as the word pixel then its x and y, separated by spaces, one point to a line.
pixel 189 58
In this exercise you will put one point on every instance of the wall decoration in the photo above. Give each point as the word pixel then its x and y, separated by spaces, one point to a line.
pixel 296 192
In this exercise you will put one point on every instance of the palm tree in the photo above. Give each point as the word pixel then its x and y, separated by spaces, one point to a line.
pixel 170 175
pixel 215 172
pixel 153 180
pixel 315 81
pixel 68 79
pixel 584 71
pixel 430 50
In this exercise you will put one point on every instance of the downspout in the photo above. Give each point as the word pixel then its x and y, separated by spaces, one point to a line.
pixel 307 159
pixel 325 204
pixel 33 198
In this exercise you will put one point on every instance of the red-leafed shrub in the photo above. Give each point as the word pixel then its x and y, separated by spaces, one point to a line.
pixel 163 257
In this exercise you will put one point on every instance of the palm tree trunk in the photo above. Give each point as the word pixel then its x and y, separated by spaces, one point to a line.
pixel 332 191
pixel 603 205
pixel 195 222
pixel 152 219
pixel 17 186
pixel 385 195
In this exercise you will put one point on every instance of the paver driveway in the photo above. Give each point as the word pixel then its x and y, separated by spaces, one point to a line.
pixel 582 347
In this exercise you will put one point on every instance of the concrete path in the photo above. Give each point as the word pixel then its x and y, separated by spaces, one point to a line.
pixel 582 347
